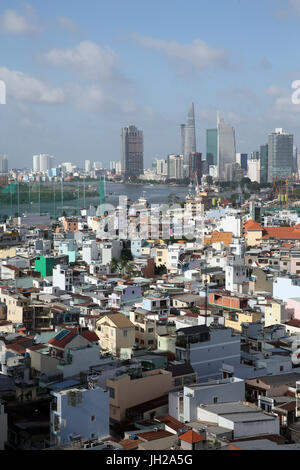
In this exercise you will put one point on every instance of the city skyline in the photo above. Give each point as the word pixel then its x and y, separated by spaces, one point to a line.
pixel 72 85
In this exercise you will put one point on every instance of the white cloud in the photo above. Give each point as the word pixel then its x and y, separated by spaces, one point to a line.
pixel 273 90
pixel 68 24
pixel 93 97
pixel 25 87
pixel 198 54
pixel 295 4
pixel 12 22
pixel 88 59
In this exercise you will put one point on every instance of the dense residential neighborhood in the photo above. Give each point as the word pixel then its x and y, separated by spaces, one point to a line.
pixel 98 350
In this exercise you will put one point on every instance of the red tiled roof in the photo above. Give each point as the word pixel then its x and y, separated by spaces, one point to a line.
pixel 64 341
pixel 191 437
pixel 130 444
pixel 171 422
pixel 153 435
pixel 252 225
pixel 90 336
pixel 281 233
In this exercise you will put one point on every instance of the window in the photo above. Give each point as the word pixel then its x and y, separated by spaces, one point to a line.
pixel 150 330
pixel 93 418
pixel 125 333
pixel 151 341
pixel 215 399
pixel 111 392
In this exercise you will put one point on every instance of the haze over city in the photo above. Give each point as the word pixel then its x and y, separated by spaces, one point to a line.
pixel 75 76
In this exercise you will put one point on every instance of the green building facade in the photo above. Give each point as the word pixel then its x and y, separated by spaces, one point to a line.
pixel 44 265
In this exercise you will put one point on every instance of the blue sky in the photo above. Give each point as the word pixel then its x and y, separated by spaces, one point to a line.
pixel 76 71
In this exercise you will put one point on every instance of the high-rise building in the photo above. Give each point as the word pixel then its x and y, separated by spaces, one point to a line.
pixel 254 169
pixel 195 166
pixel 42 163
pixel 87 166
pixel 161 167
pixel 264 163
pixel 295 160
pixel 280 154
pixel 3 164
pixel 241 159
pixel 182 127
pixel 189 135
pixel 132 151
pixel 212 146
pixel 175 167
pixel 118 168
pixel 226 146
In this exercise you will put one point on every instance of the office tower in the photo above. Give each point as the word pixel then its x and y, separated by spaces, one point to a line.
pixel 132 151
pixel 295 160
pixel 234 172
pixel 87 166
pixel 36 163
pixel 175 167
pixel 212 146
pixel 3 164
pixel 226 146
pixel 264 163
pixel 182 127
pixel 254 166
pixel 161 167
pixel 280 154
pixel 118 168
pixel 189 135
pixel 195 166
pixel 241 159
pixel 42 163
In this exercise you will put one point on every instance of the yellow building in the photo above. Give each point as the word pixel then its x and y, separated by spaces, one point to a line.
pixel 115 331
pixel 131 390
pixel 161 256
pixel 274 313
pixel 235 319
pixel 253 233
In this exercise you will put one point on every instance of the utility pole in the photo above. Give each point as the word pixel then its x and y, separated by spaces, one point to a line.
pixel 54 200
pixel 18 193
pixel 62 194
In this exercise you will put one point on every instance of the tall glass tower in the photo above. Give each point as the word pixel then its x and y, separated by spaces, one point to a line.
pixel 132 151
pixel 226 147
pixel 280 154
pixel 189 134
pixel 212 146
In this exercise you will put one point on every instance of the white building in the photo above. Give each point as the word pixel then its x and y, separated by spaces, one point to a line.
pixel 90 251
pixel 79 412
pixel 87 166
pixel 62 277
pixel 42 163
pixel 254 170
pixel 183 404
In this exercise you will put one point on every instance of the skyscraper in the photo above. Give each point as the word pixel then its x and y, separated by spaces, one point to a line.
pixel 132 151
pixel 3 164
pixel 195 166
pixel 212 146
pixel 226 146
pixel 241 159
pixel 175 167
pixel 42 162
pixel 189 134
pixel 87 166
pixel 280 154
pixel 264 163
